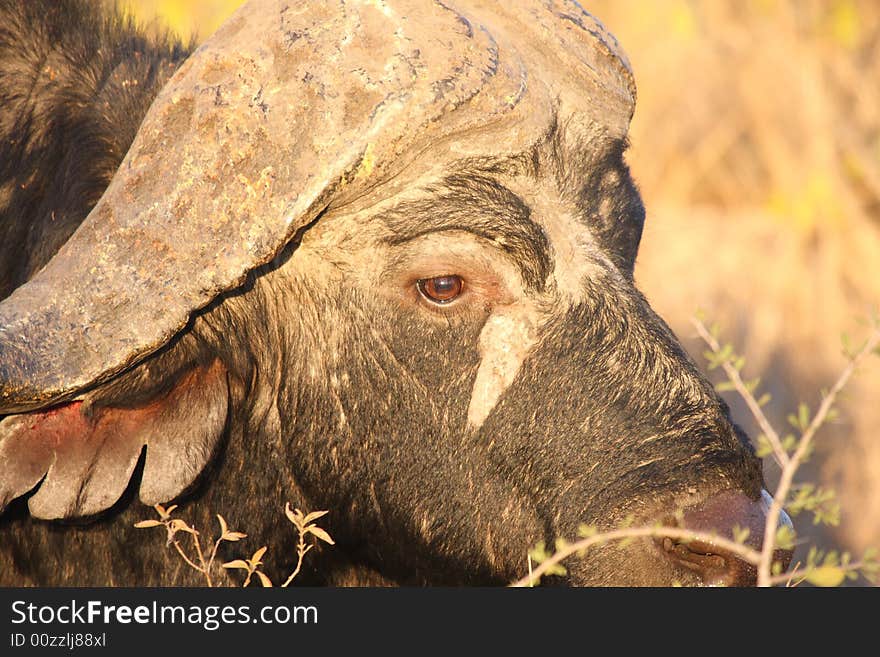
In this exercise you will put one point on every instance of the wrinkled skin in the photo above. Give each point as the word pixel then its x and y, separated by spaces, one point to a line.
pixel 445 439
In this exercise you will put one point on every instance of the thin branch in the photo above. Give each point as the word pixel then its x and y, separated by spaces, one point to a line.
pixel 803 572
pixel 791 574
pixel 743 551
pixel 180 551
pixel 295 572
pixel 204 568
pixel 301 550
pixel 788 471
pixel 757 412
pixel 214 552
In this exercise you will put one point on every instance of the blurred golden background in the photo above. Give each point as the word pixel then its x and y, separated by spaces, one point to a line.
pixel 756 143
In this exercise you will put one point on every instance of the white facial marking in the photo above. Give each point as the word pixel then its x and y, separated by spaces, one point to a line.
pixel 505 341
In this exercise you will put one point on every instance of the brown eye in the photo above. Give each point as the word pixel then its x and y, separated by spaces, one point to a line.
pixel 441 289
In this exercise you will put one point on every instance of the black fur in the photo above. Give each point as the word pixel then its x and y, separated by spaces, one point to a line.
pixel 75 83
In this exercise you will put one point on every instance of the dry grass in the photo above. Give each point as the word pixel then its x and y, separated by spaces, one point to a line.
pixel 756 142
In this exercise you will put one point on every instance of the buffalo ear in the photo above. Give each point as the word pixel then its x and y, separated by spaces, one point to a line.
pixel 85 458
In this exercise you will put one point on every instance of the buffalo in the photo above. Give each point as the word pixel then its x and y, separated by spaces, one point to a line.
pixel 374 257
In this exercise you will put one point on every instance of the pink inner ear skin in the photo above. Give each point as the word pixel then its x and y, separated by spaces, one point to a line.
pixel 57 424
pixel 88 460
pixel 28 444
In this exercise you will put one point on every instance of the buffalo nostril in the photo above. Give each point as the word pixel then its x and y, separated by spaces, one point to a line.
pixel 716 565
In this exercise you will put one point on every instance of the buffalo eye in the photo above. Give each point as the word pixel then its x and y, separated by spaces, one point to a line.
pixel 441 289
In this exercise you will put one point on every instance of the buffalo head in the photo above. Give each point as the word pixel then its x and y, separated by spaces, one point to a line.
pixel 375 257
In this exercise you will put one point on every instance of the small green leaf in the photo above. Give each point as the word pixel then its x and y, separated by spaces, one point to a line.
pixel 785 537
pixel 803 416
pixel 826 576
pixel 586 531
pixel 831 559
pixel 539 553
pixel 808 451
pixel 741 534
pixel 556 569
pixel 764 447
